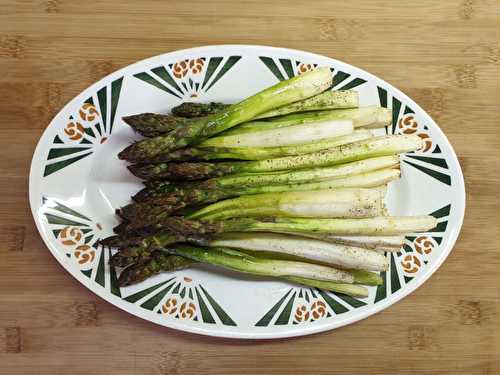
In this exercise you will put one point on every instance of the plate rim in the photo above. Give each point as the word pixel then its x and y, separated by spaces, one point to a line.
pixel 231 332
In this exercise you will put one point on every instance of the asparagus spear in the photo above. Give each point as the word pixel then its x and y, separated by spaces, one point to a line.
pixel 285 92
pixel 373 147
pixel 319 204
pixel 197 231
pixel 260 153
pixel 158 262
pixel 164 262
pixel 152 124
pixel 348 289
pixel 364 117
pixel 147 213
pixel 326 100
pixel 238 261
pixel 190 110
pixel 291 135
pixel 376 226
pixel 314 250
pixel 393 243
pixel 272 178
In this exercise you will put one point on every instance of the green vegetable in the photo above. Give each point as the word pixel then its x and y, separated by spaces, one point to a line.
pixel 152 124
pixel 306 248
pixel 375 226
pixel 364 117
pixel 379 243
pixel 261 153
pixel 190 110
pixel 370 148
pixel 291 135
pixel 238 261
pixel 249 180
pixel 158 262
pixel 154 210
pixel 346 203
pixel 283 93
pixel 326 100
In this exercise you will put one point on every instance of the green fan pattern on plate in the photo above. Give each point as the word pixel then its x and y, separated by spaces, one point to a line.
pixel 430 159
pixel 189 78
pixel 88 127
pixel 306 305
pixel 413 257
pixel 299 305
pixel 78 235
pixel 284 69
pixel 180 298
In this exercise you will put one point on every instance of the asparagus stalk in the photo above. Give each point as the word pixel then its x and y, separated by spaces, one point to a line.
pixel 243 181
pixel 164 262
pixel 286 92
pixel 309 249
pixel 348 289
pixel 373 147
pixel 158 262
pixel 378 243
pixel 301 176
pixel 238 261
pixel 326 100
pixel 364 117
pixel 319 204
pixel 376 226
pixel 261 153
pixel 291 135
pixel 150 212
pixel 152 124
pixel 191 110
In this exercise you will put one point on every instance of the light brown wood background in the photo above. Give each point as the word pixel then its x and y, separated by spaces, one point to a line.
pixel 445 54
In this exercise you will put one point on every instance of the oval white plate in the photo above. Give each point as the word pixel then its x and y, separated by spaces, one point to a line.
pixel 76 182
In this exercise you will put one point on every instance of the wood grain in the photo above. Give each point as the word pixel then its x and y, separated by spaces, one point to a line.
pixel 445 54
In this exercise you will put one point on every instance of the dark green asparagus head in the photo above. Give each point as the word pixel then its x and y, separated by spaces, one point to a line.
pixel 153 124
pixel 185 170
pixel 191 110
pixel 159 262
pixel 181 225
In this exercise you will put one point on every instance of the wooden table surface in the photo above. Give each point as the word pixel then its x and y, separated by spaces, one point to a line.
pixel 444 54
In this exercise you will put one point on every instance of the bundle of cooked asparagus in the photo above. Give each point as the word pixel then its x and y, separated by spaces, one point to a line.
pixel 289 183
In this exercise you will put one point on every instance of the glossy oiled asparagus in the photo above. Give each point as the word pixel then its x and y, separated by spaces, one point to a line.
pixel 326 100
pixel 392 243
pixel 158 262
pixel 364 117
pixel 191 110
pixel 291 135
pixel 306 248
pixel 376 226
pixel 260 153
pixel 286 92
pixel 150 212
pixel 370 148
pixel 152 124
pixel 348 203
pixel 162 261
pixel 159 188
pixel 242 262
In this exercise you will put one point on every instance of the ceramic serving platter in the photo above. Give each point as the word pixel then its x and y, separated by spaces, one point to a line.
pixel 77 182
